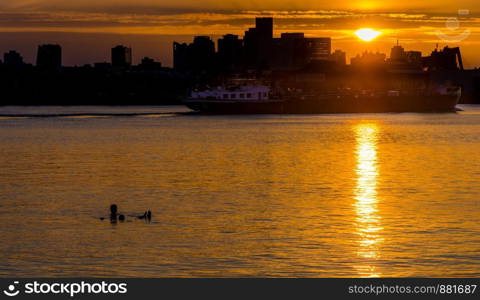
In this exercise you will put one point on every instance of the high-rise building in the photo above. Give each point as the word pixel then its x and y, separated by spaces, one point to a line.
pixel 12 58
pixel 202 53
pixel 196 56
pixel 258 50
pixel 49 57
pixel 258 43
pixel 250 42
pixel 230 52
pixel 121 56
pixel 290 52
pixel 180 56
pixel 264 27
pixel 203 46
pixel 320 48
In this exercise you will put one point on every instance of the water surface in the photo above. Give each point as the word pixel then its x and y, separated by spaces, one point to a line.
pixel 297 196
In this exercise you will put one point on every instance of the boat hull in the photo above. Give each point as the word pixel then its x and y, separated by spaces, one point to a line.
pixel 330 105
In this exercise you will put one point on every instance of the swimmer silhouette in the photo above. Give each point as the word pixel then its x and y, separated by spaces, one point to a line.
pixel 147 216
pixel 113 213
pixel 144 216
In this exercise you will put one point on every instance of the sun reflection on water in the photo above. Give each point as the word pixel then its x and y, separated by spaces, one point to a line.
pixel 367 219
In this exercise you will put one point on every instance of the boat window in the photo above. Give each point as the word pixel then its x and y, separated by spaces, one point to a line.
pixel 249 95
pixel 242 95
pixel 265 94
pixel 225 96
pixel 233 96
pixel 259 95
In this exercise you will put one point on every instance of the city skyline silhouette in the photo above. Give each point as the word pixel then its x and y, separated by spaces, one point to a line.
pixel 150 26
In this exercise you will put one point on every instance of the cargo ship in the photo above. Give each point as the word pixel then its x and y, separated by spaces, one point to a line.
pixel 259 99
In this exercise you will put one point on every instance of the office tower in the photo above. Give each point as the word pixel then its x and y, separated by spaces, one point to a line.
pixel 49 57
pixel 121 56
pixel 289 52
pixel 180 56
pixel 258 44
pixel 197 56
pixel 264 27
pixel 320 48
pixel 230 52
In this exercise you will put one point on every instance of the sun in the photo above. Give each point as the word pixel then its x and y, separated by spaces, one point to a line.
pixel 367 34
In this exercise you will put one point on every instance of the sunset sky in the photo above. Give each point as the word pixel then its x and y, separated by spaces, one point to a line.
pixel 87 29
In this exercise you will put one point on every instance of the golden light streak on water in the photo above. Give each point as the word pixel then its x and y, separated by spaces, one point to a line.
pixel 367 219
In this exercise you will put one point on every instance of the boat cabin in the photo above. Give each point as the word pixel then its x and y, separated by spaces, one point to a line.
pixel 234 93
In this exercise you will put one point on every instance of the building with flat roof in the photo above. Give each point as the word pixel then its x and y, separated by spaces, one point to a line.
pixel 230 52
pixel 320 48
pixel 49 57
pixel 258 44
pixel 197 56
pixel 292 51
pixel 121 56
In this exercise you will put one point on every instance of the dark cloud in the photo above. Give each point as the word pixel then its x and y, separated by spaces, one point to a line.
pixel 193 6
pixel 284 19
